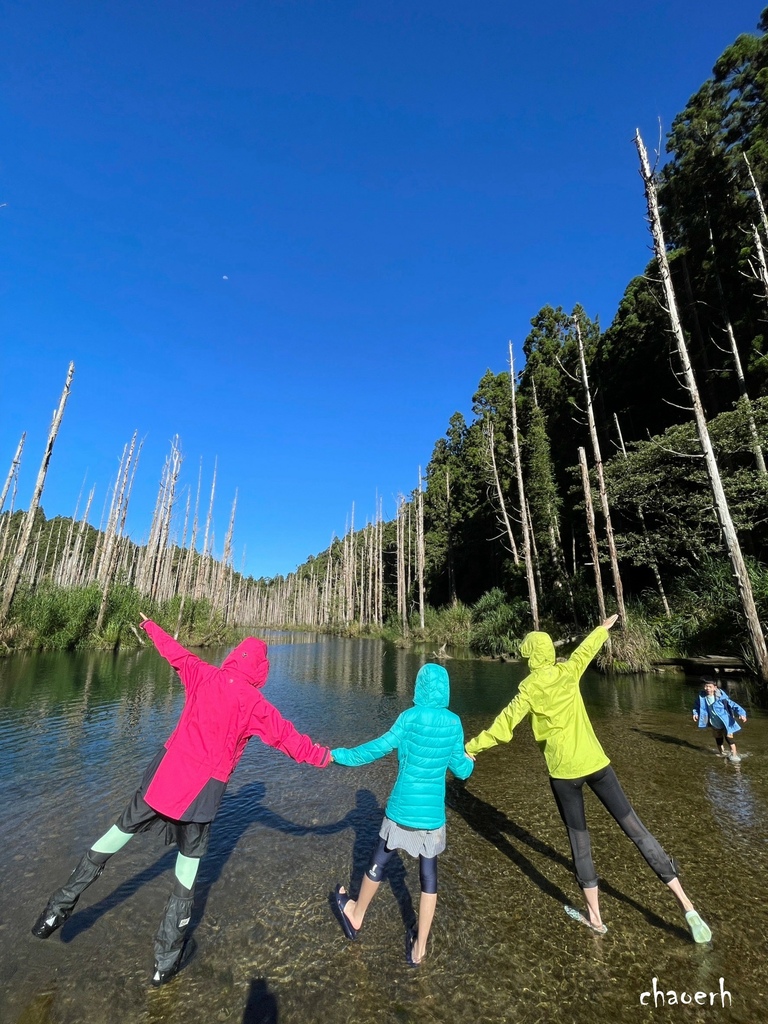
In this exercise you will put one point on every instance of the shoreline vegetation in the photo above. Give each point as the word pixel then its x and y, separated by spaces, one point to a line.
pixel 53 618
pixel 620 470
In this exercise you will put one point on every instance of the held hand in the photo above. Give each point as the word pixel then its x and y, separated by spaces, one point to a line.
pixel 607 623
pixel 143 617
pixel 695 718
pixel 742 718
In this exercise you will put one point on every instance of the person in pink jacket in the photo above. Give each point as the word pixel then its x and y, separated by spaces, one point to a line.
pixel 183 785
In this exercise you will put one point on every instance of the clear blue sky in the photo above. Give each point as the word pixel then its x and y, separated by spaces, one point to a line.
pixel 298 233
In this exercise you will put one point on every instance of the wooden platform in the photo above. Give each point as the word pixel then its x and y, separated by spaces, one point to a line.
pixel 708 664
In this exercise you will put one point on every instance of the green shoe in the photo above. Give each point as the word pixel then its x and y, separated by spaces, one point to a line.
pixel 699 929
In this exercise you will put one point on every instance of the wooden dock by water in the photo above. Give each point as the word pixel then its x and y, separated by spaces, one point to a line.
pixel 708 664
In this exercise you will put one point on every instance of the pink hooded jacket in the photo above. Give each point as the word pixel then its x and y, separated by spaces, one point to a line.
pixel 224 707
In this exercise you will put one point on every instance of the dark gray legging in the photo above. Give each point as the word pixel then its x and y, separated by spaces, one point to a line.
pixel 569 797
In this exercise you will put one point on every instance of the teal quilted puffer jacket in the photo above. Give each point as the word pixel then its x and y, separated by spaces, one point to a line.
pixel 428 739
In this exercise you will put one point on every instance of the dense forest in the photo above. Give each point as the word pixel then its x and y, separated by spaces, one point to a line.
pixel 579 482
pixel 673 568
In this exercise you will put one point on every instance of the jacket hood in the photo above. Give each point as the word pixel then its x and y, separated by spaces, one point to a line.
pixel 539 650
pixel 432 687
pixel 249 661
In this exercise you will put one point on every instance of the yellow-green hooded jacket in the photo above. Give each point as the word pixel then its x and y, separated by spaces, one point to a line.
pixel 551 696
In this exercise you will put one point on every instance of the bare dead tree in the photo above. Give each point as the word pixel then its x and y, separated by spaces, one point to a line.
pixel 402 567
pixel 590 510
pixel 109 554
pixel 758 195
pixel 490 447
pixel 618 587
pixel 730 537
pixel 760 272
pixel 13 472
pixel 420 553
pixel 527 547
pixel 17 562
pixel 225 560
pixel 744 400
pixel 650 554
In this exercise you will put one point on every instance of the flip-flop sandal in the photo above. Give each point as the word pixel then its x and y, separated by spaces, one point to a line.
pixel 578 916
pixel 410 939
pixel 340 900
pixel 699 929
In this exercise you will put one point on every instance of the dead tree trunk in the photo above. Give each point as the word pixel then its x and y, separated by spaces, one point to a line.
pixel 746 403
pixel 201 580
pixel 13 471
pixel 591 531
pixel 420 550
pixel 504 516
pixel 402 568
pixel 524 517
pixel 26 531
pixel 761 274
pixel 758 195
pixel 730 537
pixel 74 575
pixel 107 567
pixel 225 560
pixel 449 540
pixel 602 490
pixel 744 400
pixel 646 536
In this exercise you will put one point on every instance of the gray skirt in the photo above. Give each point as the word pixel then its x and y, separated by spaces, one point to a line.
pixel 418 842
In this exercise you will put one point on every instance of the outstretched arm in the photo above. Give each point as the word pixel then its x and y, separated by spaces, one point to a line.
pixel 502 727
pixel 269 725
pixel 370 751
pixel 177 656
pixel 591 644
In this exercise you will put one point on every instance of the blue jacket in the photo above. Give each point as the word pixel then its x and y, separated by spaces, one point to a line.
pixel 725 708
pixel 428 739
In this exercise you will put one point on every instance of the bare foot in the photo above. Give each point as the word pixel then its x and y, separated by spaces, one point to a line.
pixel 349 910
pixel 415 952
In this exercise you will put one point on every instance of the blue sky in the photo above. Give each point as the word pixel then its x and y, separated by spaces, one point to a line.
pixel 298 233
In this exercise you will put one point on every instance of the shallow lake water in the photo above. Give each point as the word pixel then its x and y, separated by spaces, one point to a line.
pixel 76 732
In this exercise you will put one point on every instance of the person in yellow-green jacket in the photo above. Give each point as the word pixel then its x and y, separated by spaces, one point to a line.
pixel 550 694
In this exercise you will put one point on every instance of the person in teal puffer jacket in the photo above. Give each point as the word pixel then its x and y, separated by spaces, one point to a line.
pixel 429 739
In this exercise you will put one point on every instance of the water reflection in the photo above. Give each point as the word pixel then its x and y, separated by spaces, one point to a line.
pixel 77 730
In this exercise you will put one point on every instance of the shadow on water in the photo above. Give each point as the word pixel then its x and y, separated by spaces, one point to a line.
pixel 261 1007
pixel 661 737
pixel 365 819
pixel 238 813
pixel 246 807
pixel 494 826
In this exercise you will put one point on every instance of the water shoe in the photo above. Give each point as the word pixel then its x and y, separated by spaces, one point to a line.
pixel 578 916
pixel 699 929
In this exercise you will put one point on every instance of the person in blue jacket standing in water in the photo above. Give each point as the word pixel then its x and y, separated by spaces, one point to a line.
pixel 715 708
pixel 428 739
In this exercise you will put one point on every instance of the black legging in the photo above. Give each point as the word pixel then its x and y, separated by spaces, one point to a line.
pixel 569 797
pixel 427 867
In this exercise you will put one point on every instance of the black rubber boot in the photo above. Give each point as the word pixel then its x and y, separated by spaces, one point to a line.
pixel 62 902
pixel 169 941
